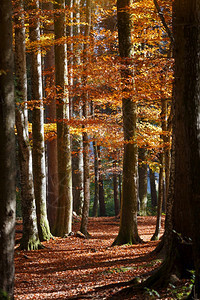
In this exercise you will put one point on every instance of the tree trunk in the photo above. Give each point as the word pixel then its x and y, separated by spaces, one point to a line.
pixel 77 140
pixel 154 198
pixel 187 92
pixel 142 174
pixel 52 186
pixel 160 201
pixel 86 204
pixel 102 205
pixel 96 184
pixel 77 173
pixel 116 190
pixel 39 172
pixel 128 232
pixel 7 153
pixel 64 211
pixel 30 239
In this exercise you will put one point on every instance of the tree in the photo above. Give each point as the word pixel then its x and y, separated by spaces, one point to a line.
pixel 38 152
pixel 49 64
pixel 186 155
pixel 64 210
pixel 128 232
pixel 30 239
pixel 7 153
pixel 86 166
pixel 142 176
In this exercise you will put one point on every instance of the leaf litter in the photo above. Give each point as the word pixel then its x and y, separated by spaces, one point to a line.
pixel 77 268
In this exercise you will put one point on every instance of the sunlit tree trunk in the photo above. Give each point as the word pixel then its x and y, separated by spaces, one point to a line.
pixel 30 239
pixel 52 185
pixel 142 176
pixel 7 153
pixel 64 210
pixel 39 172
pixel 128 232
pixel 86 168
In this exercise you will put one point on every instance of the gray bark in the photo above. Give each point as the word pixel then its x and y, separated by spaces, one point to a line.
pixel 65 202
pixel 86 166
pixel 7 152
pixel 52 186
pixel 30 239
pixel 142 174
pixel 39 171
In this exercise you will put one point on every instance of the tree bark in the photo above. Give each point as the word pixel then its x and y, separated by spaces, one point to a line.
pixel 39 171
pixel 154 198
pixel 116 190
pixel 65 202
pixel 86 168
pixel 142 174
pixel 96 184
pixel 52 186
pixel 7 153
pixel 128 232
pixel 30 239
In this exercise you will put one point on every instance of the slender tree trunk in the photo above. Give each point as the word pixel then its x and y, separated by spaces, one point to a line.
pixel 39 171
pixel 116 190
pixel 52 186
pixel 30 239
pixel 154 198
pixel 64 211
pixel 77 174
pixel 85 213
pixel 128 232
pixel 160 201
pixel 7 153
pixel 77 140
pixel 96 184
pixel 102 205
pixel 142 174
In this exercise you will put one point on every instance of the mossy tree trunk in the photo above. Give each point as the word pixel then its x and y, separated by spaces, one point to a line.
pixel 30 239
pixel 63 223
pixel 128 232
pixel 7 152
pixel 39 172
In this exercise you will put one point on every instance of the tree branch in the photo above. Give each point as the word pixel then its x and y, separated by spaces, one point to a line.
pixel 161 16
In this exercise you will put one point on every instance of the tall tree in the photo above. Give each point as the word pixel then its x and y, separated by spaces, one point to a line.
pixel 30 239
pixel 49 63
pixel 39 171
pixel 7 153
pixel 128 232
pixel 186 188
pixel 63 223
pixel 86 166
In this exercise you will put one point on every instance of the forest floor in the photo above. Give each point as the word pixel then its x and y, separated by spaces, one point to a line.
pixel 77 268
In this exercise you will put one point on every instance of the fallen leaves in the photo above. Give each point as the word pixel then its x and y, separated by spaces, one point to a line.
pixel 76 267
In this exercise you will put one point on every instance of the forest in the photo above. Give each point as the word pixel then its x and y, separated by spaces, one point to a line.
pixel 100 149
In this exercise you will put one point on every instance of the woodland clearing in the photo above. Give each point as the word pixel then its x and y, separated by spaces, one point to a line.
pixel 77 268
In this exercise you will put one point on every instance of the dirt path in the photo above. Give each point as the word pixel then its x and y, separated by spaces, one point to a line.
pixel 75 268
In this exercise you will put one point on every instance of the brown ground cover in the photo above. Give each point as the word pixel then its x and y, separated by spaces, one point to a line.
pixel 77 268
